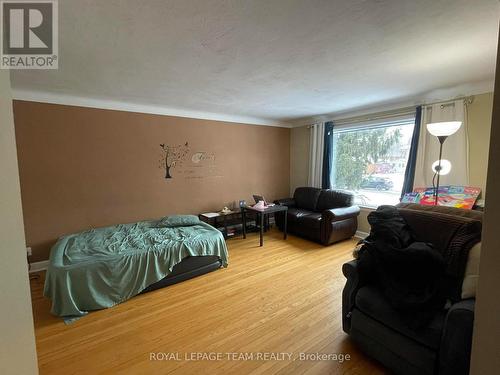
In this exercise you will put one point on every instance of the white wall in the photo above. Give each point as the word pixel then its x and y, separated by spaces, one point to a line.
pixel 479 125
pixel 299 157
pixel 17 339
pixel 486 346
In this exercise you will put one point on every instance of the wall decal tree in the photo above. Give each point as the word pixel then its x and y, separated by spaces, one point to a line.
pixel 173 156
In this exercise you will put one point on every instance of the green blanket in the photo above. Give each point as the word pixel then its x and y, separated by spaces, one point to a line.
pixel 102 267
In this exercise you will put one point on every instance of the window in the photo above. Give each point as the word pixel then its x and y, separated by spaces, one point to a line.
pixel 369 160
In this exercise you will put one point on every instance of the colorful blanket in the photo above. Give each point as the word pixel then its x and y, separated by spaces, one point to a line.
pixel 451 196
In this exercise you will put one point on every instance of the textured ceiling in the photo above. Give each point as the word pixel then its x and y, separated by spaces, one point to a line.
pixel 269 59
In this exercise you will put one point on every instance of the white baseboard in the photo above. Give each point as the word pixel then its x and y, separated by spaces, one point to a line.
pixel 361 235
pixel 39 266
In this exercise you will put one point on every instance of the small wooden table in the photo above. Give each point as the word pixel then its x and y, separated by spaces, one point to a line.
pixel 261 214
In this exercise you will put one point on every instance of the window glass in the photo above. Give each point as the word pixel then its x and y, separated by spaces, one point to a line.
pixel 371 161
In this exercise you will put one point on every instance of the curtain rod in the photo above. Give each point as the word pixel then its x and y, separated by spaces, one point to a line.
pixel 397 112
pixel 466 99
pixel 376 116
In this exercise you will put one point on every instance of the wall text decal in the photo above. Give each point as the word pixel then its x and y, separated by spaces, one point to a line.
pixel 192 166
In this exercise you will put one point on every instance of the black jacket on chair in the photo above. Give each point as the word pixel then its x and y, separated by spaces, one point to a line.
pixel 321 215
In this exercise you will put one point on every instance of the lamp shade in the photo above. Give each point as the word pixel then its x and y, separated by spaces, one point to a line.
pixel 443 129
pixel 445 167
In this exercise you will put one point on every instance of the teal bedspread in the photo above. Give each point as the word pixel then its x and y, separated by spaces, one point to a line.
pixel 102 267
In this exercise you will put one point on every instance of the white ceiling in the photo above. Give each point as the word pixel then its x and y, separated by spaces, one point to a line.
pixel 264 60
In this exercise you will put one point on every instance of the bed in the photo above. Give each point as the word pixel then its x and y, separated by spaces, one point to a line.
pixel 102 267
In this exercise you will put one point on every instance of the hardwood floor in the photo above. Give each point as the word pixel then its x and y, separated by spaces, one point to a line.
pixel 282 298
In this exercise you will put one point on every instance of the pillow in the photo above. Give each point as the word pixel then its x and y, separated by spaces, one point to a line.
pixel 469 285
pixel 178 221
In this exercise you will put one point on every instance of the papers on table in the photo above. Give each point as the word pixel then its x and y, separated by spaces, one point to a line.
pixel 210 214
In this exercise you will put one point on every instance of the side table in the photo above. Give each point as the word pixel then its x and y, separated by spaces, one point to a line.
pixel 261 214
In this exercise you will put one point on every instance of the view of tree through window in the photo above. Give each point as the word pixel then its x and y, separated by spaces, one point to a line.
pixel 371 162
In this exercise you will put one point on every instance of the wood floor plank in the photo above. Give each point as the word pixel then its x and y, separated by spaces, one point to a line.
pixel 284 297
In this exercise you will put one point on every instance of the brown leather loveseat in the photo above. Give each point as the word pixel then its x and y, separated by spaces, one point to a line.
pixel 320 215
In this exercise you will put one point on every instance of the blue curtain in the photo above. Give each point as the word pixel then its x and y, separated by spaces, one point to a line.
pixel 412 158
pixel 327 156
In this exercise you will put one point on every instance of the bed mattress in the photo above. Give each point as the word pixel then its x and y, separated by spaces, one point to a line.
pixel 102 267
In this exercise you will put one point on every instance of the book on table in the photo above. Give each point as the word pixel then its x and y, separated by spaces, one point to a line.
pixel 210 214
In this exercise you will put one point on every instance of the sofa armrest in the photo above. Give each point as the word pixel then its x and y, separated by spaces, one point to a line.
pixel 456 340
pixel 352 285
pixel 342 213
pixel 290 202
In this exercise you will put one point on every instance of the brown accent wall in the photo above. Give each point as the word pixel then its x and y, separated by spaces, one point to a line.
pixel 84 167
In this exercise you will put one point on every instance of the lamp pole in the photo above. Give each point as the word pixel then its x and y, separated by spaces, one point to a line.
pixel 441 139
pixel 441 130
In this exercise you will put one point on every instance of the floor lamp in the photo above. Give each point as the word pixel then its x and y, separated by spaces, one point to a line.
pixel 441 130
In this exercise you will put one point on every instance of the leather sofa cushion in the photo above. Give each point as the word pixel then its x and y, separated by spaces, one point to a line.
pixel 341 213
pixel 373 303
pixel 306 198
pixel 311 221
pixel 295 213
pixel 332 199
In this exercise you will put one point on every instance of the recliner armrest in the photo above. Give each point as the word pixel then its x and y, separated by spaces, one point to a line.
pixel 341 213
pixel 353 283
pixel 290 202
pixel 456 341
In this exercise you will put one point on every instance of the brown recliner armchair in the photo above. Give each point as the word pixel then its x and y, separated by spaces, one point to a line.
pixel 320 215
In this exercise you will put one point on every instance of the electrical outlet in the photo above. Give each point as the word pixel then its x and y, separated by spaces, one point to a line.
pixel 28 250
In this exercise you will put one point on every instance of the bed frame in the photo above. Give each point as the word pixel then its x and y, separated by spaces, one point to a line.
pixel 187 269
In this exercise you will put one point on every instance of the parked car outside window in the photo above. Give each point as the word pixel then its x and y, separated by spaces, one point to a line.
pixel 378 183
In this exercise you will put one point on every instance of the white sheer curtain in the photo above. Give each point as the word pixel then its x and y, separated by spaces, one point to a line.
pixel 316 148
pixel 455 148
